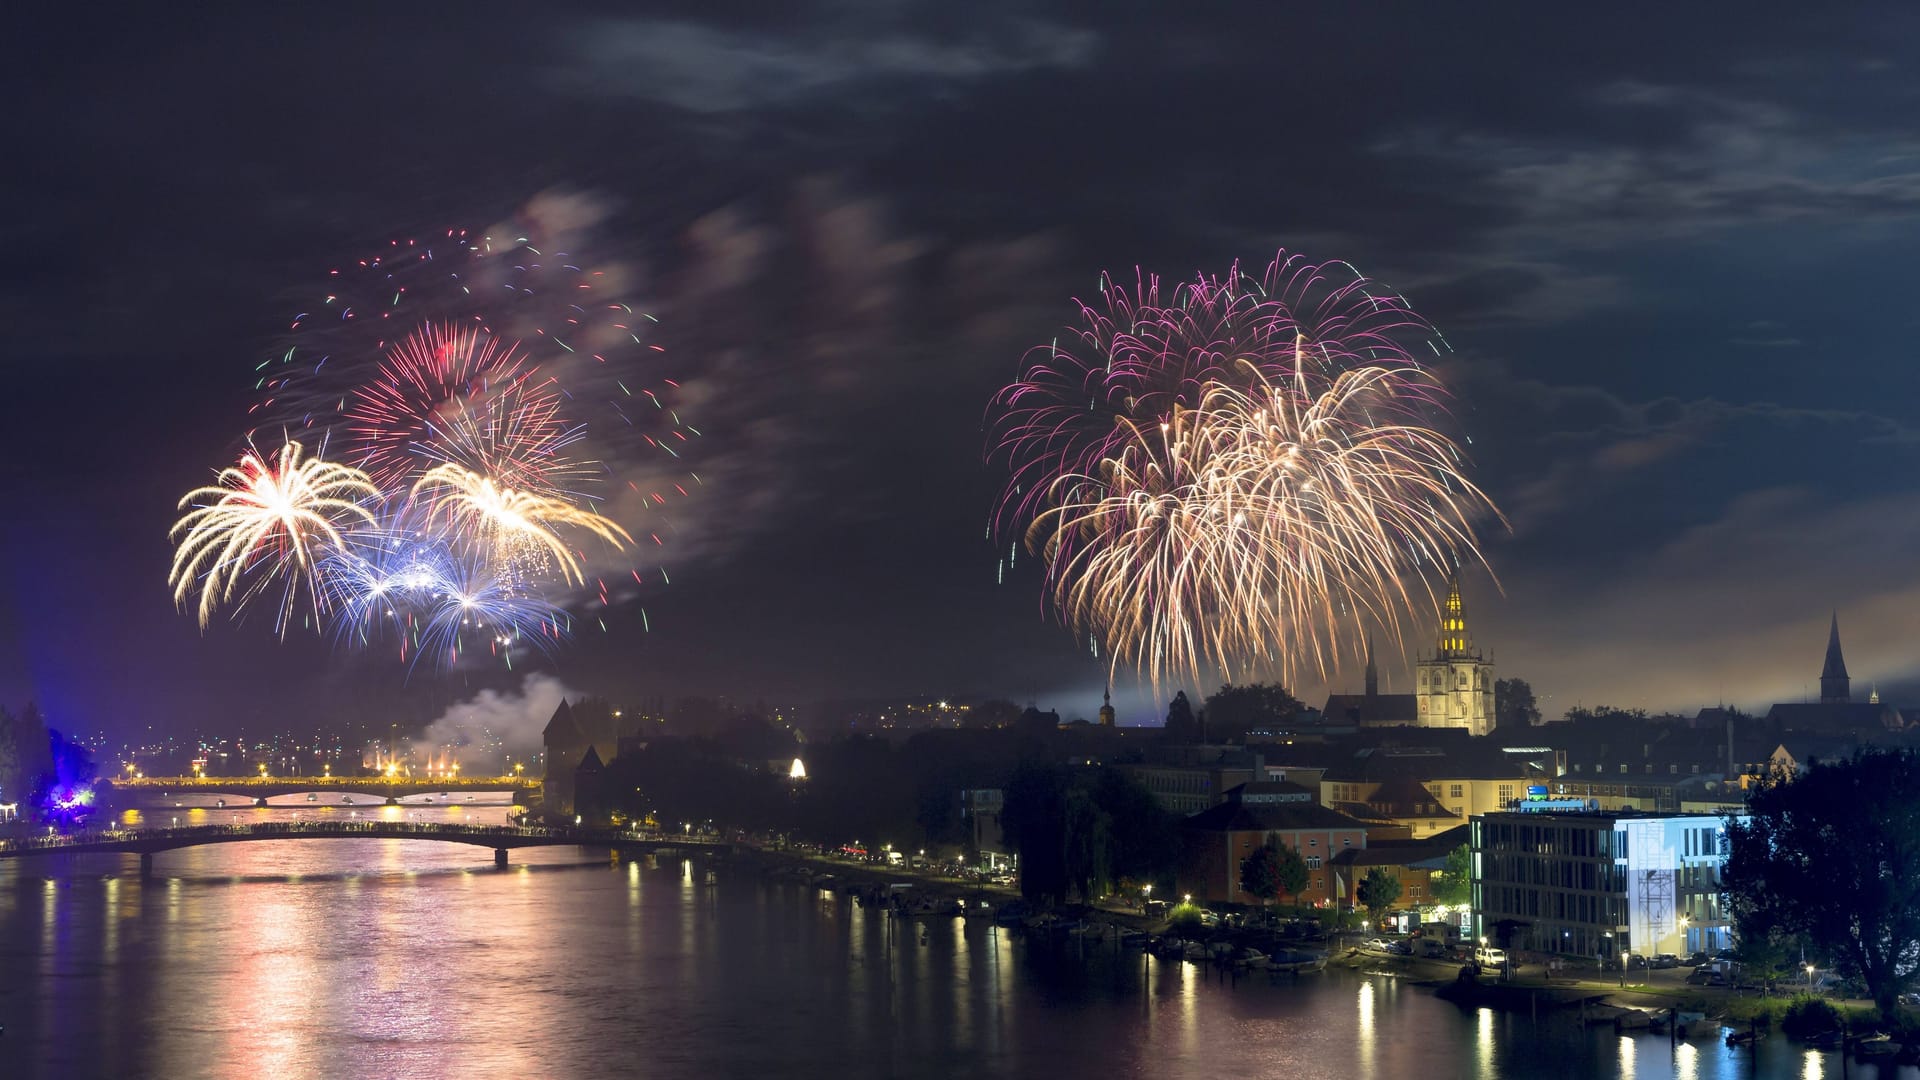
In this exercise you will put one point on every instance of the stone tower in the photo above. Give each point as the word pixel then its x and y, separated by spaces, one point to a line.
pixel 1454 687
pixel 1835 687
pixel 1106 707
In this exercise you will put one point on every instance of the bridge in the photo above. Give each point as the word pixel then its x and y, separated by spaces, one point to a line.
pixel 256 790
pixel 501 838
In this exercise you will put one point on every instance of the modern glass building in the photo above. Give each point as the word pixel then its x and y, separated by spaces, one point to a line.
pixel 1569 880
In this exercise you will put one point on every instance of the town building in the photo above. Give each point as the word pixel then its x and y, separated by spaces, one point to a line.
pixel 1452 688
pixel 981 808
pixel 579 730
pixel 1402 801
pixel 1555 876
pixel 1219 839
pixel 1837 712
pixel 1411 862
pixel 1188 779
pixel 1463 776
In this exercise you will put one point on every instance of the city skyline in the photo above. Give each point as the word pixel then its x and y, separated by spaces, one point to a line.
pixel 1659 270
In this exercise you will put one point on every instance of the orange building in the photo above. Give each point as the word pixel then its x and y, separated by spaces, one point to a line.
pixel 1219 839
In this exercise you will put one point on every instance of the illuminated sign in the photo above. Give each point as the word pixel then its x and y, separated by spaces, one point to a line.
pixel 1538 805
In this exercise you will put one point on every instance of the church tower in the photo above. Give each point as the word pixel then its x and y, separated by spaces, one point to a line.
pixel 1454 688
pixel 1373 671
pixel 1106 707
pixel 1835 687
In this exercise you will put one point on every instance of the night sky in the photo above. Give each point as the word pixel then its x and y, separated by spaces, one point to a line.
pixel 1675 250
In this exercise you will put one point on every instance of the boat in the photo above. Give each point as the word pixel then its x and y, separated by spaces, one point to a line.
pixel 1632 1020
pixel 1695 1025
pixel 1880 1046
pixel 1196 952
pixel 1296 962
pixel 1133 939
pixel 1250 958
pixel 1743 1038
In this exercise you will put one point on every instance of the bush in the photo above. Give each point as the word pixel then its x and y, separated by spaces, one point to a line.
pixel 1184 918
pixel 1808 1016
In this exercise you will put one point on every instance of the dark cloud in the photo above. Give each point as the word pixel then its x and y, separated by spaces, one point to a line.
pixel 1671 247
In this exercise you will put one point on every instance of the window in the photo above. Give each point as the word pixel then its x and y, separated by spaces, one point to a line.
pixel 1673 770
pixel 1506 794
pixel 1313 862
pixel 1457 793
pixel 1623 768
pixel 1346 841
pixel 1314 842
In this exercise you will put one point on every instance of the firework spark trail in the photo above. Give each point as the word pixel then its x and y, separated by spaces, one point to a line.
pixel 1231 481
pixel 510 524
pixel 268 518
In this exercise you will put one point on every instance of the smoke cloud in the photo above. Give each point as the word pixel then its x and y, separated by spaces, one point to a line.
pixel 488 732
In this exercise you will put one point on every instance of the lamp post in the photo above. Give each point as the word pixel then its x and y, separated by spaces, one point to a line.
pixel 1809 978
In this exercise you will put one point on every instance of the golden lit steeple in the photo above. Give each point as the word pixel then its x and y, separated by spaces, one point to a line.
pixel 1454 640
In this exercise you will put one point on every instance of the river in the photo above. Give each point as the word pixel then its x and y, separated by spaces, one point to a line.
pixel 388 958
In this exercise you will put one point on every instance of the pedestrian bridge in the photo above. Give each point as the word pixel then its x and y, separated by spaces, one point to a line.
pixel 212 792
pixel 501 838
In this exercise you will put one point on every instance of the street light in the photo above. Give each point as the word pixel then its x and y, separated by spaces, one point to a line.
pixel 1809 978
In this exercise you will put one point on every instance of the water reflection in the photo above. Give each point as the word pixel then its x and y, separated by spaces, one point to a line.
pixel 1483 1043
pixel 1363 1031
pixel 352 958
pixel 1686 1062
pixel 1814 1066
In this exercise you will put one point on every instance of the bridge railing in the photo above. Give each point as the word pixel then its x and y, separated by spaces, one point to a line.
pixel 378 829
pixel 182 783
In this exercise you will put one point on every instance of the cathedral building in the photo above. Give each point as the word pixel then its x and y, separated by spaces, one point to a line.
pixel 1452 689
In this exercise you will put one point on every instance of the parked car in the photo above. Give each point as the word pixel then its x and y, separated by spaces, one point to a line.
pixel 1696 959
pixel 1399 948
pixel 1665 960
pixel 1490 956
pixel 1376 944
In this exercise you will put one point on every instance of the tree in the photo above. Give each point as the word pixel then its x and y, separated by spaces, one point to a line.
pixel 1033 819
pixel 1232 710
pixel 1293 872
pixel 1833 854
pixel 1260 873
pixel 1603 714
pixel 11 772
pixel 1378 891
pixel 1089 842
pixel 1181 725
pixel 1144 839
pixel 1454 885
pixel 64 789
pixel 1514 705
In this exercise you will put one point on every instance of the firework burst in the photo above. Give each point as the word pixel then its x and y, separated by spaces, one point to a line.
pixel 484 391
pixel 515 528
pixel 269 518
pixel 1231 480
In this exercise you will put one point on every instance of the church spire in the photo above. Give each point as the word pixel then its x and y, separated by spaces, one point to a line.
pixel 1454 641
pixel 1373 672
pixel 1106 707
pixel 1835 687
